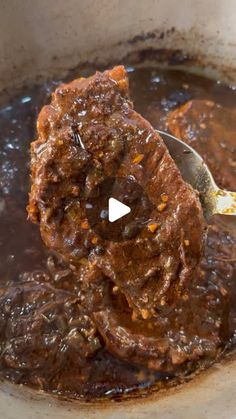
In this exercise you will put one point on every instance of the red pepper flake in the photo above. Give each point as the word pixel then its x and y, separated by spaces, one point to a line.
pixel 152 227
pixel 85 225
pixel 161 207
pixel 137 159
pixel 145 314
pixel 164 197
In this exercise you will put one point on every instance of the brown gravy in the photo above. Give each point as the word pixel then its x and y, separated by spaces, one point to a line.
pixel 23 258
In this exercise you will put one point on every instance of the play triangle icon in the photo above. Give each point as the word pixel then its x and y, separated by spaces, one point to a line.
pixel 116 210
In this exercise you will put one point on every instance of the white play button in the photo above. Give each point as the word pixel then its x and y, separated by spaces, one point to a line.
pixel 116 210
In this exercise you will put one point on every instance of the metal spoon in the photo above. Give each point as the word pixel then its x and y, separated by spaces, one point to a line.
pixel 194 171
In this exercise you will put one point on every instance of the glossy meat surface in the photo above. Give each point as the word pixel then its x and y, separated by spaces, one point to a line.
pixel 197 331
pixel 88 132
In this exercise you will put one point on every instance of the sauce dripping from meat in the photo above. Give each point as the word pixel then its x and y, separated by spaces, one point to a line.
pixel 24 260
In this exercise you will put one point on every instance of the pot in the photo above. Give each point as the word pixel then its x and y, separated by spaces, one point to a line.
pixel 46 38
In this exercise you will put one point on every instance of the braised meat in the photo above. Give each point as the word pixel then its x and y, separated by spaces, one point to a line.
pixel 207 126
pixel 88 132
pixel 66 327
pixel 42 329
pixel 152 344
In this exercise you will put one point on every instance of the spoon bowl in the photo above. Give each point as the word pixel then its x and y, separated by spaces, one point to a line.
pixel 194 171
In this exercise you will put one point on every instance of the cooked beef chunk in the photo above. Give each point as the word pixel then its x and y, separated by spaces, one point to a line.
pixel 207 126
pixel 42 329
pixel 88 132
pixel 188 333
pixel 145 342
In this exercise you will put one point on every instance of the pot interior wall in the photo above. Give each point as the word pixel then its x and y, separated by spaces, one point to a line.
pixel 49 37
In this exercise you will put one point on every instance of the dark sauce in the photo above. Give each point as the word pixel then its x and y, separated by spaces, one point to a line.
pixel 24 258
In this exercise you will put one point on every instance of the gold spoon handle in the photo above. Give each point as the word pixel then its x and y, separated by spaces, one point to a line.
pixel 225 202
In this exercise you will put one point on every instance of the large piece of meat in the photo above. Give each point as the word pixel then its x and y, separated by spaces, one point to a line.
pixel 207 126
pixel 88 132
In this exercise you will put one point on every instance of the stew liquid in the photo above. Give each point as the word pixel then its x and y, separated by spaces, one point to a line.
pixel 210 305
